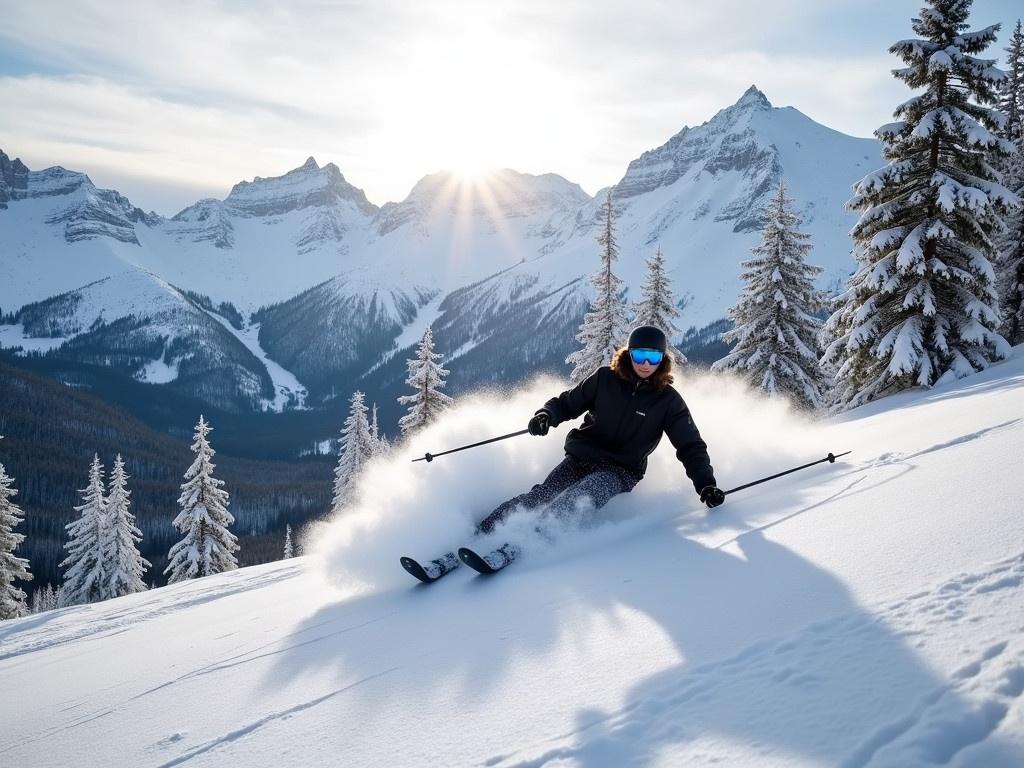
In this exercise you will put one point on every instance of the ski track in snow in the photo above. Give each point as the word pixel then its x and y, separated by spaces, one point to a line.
pixel 958 714
pixel 896 458
pixel 246 730
pixel 255 654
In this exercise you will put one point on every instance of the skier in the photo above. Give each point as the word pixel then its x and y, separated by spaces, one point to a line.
pixel 629 405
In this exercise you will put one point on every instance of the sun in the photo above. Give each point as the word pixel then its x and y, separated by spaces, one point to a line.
pixel 470 171
pixel 467 98
pixel 474 102
pixel 464 153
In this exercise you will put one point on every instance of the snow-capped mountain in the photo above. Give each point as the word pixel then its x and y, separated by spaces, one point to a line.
pixel 506 195
pixel 82 211
pixel 728 142
pixel 328 204
pixel 344 321
pixel 138 323
pixel 59 232
pixel 699 197
pixel 308 186
pixel 423 259
pixel 269 240
pixel 498 265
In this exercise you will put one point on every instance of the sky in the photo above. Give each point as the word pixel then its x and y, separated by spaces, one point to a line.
pixel 172 102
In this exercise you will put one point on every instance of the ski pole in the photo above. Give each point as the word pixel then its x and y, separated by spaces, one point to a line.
pixel 431 456
pixel 831 459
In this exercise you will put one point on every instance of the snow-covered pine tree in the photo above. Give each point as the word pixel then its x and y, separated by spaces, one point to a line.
pixel 38 600
pixel 922 303
pixel 657 305
pixel 12 567
pixel 1010 269
pixel 380 440
pixel 426 377
pixel 208 546
pixel 774 328
pixel 605 327
pixel 289 551
pixel 44 599
pixel 357 447
pixel 84 576
pixel 1011 101
pixel 123 563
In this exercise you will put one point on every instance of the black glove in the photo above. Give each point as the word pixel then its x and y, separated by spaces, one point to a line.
pixel 712 495
pixel 539 424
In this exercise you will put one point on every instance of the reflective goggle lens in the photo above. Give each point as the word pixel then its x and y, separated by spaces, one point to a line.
pixel 641 356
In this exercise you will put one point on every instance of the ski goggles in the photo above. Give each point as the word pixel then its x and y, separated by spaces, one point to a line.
pixel 652 356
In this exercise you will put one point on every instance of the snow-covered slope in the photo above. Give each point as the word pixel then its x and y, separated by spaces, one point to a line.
pixel 325 335
pixel 139 323
pixel 866 613
pixel 59 232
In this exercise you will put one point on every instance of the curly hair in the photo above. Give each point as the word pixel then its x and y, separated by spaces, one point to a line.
pixel 622 366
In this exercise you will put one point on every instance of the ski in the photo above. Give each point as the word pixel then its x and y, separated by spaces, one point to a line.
pixel 493 561
pixel 433 570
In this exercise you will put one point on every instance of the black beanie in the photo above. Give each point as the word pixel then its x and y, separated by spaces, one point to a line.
pixel 648 337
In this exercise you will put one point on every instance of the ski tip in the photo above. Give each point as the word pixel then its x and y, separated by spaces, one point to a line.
pixel 474 561
pixel 415 569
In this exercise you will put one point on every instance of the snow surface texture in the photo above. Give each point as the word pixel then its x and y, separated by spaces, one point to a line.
pixel 864 614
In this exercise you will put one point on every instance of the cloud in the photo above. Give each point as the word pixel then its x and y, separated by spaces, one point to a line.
pixel 105 127
pixel 204 95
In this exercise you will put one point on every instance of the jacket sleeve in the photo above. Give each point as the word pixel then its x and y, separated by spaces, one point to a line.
pixel 574 402
pixel 691 449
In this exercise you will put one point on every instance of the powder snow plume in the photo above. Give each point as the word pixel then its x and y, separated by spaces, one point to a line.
pixel 425 509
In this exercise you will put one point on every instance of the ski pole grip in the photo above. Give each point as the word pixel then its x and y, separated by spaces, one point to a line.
pixel 831 458
pixel 429 457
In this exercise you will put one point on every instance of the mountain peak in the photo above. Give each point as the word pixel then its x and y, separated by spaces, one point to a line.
pixel 302 187
pixel 753 97
pixel 13 179
pixel 502 193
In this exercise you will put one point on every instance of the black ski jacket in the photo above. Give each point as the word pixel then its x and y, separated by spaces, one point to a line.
pixel 624 424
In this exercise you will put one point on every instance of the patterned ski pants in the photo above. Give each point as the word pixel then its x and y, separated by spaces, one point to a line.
pixel 568 482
